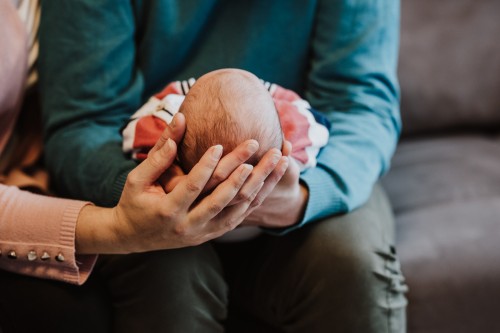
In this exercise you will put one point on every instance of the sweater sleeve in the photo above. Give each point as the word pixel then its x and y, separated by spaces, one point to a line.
pixel 90 86
pixel 37 236
pixel 353 81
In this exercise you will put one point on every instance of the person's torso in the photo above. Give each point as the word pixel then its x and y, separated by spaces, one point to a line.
pixel 187 38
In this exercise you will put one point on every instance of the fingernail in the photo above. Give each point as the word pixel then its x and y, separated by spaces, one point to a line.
pixel 173 122
pixel 170 144
pixel 253 146
pixel 217 151
pixel 275 158
pixel 284 165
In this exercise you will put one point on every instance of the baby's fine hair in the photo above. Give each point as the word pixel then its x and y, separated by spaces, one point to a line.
pixel 227 107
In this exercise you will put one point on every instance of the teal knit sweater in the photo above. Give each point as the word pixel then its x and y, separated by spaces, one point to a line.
pixel 101 59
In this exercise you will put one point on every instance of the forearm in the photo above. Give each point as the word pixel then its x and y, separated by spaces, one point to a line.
pixel 91 169
pixel 353 81
pixel 95 232
pixel 86 100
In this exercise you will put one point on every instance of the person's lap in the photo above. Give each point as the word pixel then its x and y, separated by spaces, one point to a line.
pixel 172 291
pixel 180 290
pixel 35 305
pixel 338 274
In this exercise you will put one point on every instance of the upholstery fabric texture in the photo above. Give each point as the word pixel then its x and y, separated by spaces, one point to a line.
pixel 449 65
pixel 444 183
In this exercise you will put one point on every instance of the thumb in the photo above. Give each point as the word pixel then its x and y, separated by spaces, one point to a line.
pixel 292 174
pixel 175 131
pixel 287 148
pixel 156 163
pixel 177 127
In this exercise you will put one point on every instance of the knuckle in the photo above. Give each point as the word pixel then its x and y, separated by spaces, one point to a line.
pixel 193 187
pixel 132 177
pixel 256 202
pixel 231 224
pixel 218 177
pixel 180 230
pixel 253 196
pixel 241 158
pixel 275 176
pixel 167 215
pixel 168 212
pixel 243 196
pixel 214 208
pixel 154 159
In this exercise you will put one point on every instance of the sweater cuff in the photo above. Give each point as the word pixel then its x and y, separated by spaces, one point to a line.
pixel 323 201
pixel 81 265
pixel 37 236
pixel 117 190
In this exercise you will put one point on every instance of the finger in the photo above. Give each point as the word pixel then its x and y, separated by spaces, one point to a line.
pixel 287 148
pixel 161 141
pixel 154 165
pixel 174 130
pixel 231 161
pixel 292 174
pixel 190 187
pixel 177 127
pixel 214 203
pixel 229 218
pixel 271 181
pixel 170 178
pixel 260 173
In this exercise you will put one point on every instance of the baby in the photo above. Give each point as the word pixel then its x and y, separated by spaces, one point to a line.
pixel 227 107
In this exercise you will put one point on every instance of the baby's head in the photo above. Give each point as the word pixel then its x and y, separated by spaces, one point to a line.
pixel 227 107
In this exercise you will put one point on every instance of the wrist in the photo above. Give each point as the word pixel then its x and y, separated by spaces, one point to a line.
pixel 297 208
pixel 94 234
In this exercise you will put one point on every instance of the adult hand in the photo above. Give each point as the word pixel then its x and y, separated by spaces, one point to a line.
pixel 267 173
pixel 146 218
pixel 284 206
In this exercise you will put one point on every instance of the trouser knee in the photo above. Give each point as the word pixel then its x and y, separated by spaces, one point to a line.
pixel 175 290
pixel 359 274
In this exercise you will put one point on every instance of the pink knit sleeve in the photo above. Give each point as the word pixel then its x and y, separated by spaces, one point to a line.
pixel 37 236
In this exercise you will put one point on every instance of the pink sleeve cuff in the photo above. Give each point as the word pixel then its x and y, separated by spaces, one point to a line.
pixel 37 236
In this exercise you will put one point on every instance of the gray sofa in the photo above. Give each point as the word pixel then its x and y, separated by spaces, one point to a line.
pixel 444 183
pixel 445 178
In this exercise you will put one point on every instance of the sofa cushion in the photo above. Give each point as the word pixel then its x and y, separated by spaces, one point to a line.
pixel 438 170
pixel 446 195
pixel 450 65
pixel 450 256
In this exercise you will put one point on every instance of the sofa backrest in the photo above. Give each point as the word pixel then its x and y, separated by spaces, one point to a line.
pixel 449 66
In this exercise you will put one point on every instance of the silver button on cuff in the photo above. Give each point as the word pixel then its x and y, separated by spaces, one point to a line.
pixel 60 257
pixel 45 256
pixel 12 255
pixel 32 256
